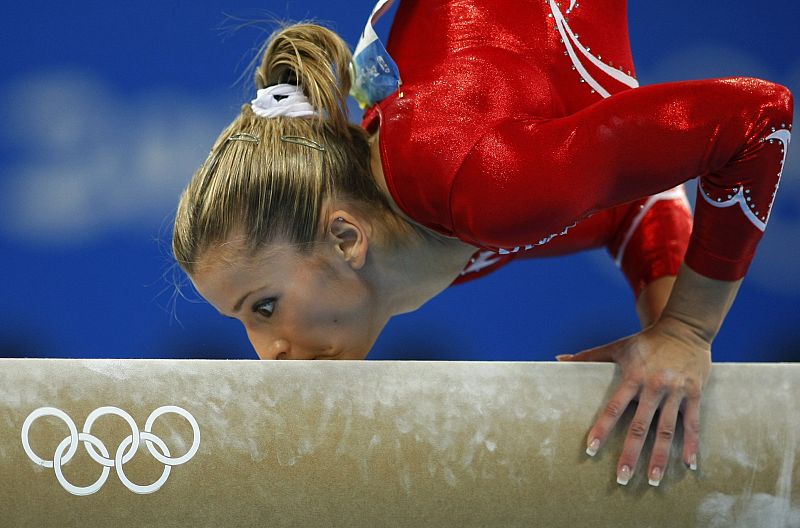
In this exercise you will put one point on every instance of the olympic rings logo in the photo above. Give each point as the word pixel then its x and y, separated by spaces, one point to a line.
pixel 126 450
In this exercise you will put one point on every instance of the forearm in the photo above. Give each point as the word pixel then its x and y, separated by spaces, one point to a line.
pixel 699 303
pixel 652 300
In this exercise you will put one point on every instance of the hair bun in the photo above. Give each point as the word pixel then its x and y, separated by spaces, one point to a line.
pixel 314 58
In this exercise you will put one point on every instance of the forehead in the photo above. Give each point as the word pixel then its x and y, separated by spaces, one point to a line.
pixel 233 264
pixel 234 259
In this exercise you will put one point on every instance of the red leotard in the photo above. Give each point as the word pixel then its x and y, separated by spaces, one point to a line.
pixel 516 129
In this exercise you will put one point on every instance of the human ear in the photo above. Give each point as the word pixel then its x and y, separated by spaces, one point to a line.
pixel 350 238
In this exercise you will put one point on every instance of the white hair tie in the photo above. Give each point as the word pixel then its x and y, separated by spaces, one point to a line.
pixel 282 100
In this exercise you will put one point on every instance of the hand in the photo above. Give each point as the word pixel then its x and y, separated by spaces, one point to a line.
pixel 666 366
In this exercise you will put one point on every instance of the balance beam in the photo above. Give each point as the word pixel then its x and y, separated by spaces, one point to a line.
pixel 376 443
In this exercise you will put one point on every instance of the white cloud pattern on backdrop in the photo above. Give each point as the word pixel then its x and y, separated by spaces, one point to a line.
pixel 88 161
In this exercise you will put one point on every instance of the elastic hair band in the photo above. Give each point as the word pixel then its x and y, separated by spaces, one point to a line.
pixel 302 140
pixel 282 100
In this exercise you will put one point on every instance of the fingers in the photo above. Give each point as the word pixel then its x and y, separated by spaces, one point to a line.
pixel 649 403
pixel 691 431
pixel 665 433
pixel 598 434
pixel 637 433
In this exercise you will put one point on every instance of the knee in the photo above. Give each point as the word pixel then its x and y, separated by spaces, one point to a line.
pixel 774 101
pixel 781 99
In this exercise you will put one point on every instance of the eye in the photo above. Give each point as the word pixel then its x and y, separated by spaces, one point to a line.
pixel 266 307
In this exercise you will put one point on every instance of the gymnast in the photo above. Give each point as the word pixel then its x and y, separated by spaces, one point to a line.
pixel 492 131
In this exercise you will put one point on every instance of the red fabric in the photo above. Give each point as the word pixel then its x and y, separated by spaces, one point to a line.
pixel 655 241
pixel 496 138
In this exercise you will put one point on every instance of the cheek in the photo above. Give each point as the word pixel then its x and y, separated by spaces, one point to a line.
pixel 330 305
pixel 335 298
pixel 334 314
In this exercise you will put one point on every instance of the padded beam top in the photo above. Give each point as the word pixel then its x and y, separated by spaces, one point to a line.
pixel 372 443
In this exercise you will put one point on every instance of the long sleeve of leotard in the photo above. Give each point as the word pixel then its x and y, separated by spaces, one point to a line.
pixel 732 133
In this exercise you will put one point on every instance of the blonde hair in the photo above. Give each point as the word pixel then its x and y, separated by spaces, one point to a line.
pixel 274 189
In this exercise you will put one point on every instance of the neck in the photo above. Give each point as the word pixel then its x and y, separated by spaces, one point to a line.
pixel 406 276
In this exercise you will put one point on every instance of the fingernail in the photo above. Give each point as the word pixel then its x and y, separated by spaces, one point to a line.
pixel 693 461
pixel 594 445
pixel 655 477
pixel 562 357
pixel 624 475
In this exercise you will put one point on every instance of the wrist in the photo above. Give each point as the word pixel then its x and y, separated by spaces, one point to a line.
pixel 698 305
pixel 685 330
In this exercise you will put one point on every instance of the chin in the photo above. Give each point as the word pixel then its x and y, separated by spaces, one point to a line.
pixel 350 356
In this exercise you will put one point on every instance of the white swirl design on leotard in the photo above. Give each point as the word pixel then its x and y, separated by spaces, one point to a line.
pixel 742 197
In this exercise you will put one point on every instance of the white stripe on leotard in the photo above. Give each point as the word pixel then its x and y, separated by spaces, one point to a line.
pixel 569 39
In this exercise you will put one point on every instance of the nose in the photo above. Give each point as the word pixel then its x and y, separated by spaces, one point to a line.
pixel 269 347
pixel 277 349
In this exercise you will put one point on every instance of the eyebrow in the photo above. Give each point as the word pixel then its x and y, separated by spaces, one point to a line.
pixel 238 305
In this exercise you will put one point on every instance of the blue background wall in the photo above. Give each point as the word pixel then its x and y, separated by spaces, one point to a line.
pixel 107 108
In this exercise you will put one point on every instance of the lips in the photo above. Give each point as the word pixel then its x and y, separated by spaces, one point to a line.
pixel 336 355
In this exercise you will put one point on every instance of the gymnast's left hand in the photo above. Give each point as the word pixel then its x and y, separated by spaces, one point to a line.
pixel 666 367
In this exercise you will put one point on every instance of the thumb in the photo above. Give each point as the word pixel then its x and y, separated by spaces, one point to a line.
pixel 602 353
